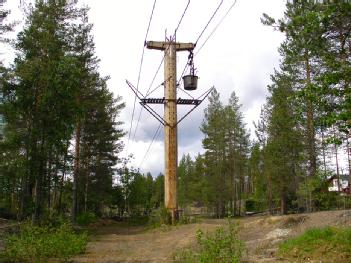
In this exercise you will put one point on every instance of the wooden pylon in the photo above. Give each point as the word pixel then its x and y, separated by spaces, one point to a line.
pixel 170 47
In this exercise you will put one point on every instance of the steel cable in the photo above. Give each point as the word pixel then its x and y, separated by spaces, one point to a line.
pixel 157 133
pixel 139 74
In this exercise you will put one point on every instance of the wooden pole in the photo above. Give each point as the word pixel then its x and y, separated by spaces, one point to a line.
pixel 170 116
pixel 170 47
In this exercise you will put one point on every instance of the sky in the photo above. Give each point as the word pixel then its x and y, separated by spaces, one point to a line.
pixel 239 57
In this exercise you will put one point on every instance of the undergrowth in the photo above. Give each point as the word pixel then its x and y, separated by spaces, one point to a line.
pixel 85 219
pixel 161 218
pixel 36 244
pixel 325 243
pixel 221 246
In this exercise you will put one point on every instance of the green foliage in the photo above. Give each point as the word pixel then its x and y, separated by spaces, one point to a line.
pixel 141 193
pixel 186 219
pixel 221 246
pixel 85 219
pixel 165 216
pixel 255 205
pixel 53 90
pixel 225 161
pixel 319 244
pixel 38 244
pixel 160 217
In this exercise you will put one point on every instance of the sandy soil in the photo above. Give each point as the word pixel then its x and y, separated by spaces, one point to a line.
pixel 262 234
pixel 134 244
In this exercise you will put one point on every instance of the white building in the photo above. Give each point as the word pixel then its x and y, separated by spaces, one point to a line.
pixel 335 183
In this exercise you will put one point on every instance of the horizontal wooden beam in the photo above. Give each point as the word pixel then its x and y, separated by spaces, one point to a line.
pixel 161 45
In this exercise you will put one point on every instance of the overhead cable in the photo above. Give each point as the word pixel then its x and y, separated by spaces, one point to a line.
pixel 157 133
pixel 181 19
pixel 209 36
pixel 215 28
pixel 147 92
pixel 202 32
pixel 209 21
pixel 140 67
pixel 158 69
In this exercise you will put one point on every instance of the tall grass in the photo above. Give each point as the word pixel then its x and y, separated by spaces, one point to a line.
pixel 319 244
pixel 38 244
pixel 221 246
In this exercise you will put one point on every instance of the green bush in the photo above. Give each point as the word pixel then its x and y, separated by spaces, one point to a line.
pixel 165 216
pixel 185 219
pixel 221 246
pixel 38 244
pixel 85 219
pixel 159 218
pixel 319 243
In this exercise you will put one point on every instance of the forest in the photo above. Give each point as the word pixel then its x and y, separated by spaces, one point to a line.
pixel 304 124
pixel 61 135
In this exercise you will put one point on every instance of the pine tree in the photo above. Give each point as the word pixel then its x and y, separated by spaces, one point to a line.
pixel 226 143
pixel 214 144
pixel 283 149
pixel 185 180
pixel 301 49
pixel 38 121
pixel 100 146
pixel 237 143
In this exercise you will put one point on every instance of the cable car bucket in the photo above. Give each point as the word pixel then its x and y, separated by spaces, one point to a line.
pixel 190 81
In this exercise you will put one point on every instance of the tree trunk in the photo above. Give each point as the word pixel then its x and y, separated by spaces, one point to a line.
pixel 25 196
pixel 38 190
pixel 270 197
pixel 337 167
pixel 49 180
pixel 310 126
pixel 76 174
pixel 62 180
pixel 283 207
pixel 86 191
pixel 323 152
pixel 349 160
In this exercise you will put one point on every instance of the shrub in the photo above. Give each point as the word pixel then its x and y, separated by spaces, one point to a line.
pixel 186 219
pixel 165 216
pixel 38 244
pixel 85 219
pixel 159 218
pixel 221 246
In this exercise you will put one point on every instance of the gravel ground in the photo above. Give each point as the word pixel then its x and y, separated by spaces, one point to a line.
pixel 118 242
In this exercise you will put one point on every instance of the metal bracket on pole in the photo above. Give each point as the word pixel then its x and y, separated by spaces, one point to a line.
pixel 197 104
pixel 143 103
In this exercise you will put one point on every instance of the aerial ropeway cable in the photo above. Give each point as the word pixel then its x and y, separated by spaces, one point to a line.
pixel 159 67
pixel 139 74
pixel 209 36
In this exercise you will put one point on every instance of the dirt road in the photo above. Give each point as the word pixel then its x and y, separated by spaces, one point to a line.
pixel 135 244
pixel 262 234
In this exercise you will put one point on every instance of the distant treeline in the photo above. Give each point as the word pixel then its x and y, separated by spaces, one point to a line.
pixel 305 122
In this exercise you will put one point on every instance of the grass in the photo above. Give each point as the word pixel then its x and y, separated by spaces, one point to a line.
pixel 39 244
pixel 221 246
pixel 327 244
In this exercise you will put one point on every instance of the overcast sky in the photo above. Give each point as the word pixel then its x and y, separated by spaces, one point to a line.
pixel 239 56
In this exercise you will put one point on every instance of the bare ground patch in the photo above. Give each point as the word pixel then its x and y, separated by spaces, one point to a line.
pixel 261 234
pixel 135 244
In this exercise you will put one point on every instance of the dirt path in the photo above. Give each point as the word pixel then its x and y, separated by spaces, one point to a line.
pixel 134 244
pixel 262 234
